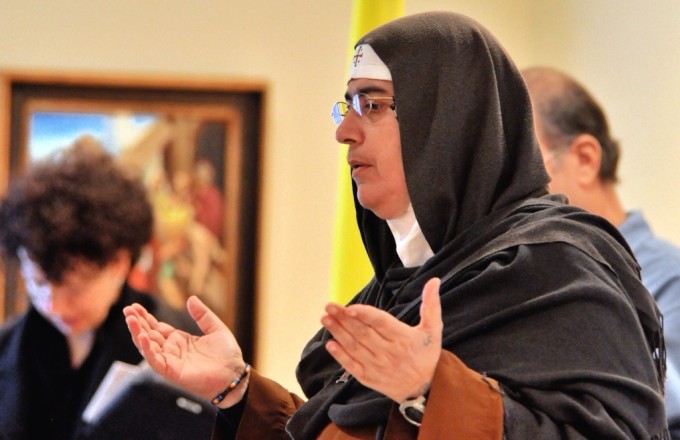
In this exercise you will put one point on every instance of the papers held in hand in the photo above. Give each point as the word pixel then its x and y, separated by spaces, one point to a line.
pixel 133 402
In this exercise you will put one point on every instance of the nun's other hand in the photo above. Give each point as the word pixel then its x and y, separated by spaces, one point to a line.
pixel 384 353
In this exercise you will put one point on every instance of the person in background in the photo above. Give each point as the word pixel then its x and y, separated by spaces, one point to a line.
pixel 76 222
pixel 582 158
pixel 495 311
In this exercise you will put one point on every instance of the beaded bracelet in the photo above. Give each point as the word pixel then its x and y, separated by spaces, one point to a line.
pixel 220 397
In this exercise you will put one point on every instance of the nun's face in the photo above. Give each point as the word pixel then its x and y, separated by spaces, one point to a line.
pixel 374 152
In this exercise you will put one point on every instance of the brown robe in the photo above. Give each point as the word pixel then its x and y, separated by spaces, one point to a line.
pixel 269 406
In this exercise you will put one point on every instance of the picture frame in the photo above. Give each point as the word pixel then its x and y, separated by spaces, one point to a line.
pixel 197 144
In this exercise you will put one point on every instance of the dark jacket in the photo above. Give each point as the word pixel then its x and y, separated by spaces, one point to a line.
pixel 41 396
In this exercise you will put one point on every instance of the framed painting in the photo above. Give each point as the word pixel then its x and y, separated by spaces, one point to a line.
pixel 196 143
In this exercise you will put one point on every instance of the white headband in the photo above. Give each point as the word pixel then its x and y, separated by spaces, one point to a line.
pixel 367 64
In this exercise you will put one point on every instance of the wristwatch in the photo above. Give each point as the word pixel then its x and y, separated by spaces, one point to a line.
pixel 413 409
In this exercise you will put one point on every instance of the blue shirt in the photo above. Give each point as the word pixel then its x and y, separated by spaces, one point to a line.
pixel 660 269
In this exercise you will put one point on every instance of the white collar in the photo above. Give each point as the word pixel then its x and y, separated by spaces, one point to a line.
pixel 80 346
pixel 412 247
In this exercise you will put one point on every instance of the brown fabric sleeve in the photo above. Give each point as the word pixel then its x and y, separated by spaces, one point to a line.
pixel 462 404
pixel 397 429
pixel 268 408
pixel 334 432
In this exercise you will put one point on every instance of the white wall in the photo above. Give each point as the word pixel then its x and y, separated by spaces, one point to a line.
pixel 625 51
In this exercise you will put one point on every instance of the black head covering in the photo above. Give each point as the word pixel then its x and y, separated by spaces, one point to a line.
pixel 460 100
pixel 518 267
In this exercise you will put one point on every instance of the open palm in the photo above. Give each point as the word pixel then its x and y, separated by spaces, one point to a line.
pixel 203 365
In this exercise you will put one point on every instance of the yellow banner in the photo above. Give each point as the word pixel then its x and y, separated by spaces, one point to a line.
pixel 351 268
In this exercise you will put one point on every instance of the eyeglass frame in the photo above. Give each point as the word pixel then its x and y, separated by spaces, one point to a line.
pixel 338 116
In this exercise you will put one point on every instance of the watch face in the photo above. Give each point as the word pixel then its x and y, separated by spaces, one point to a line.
pixel 414 414
pixel 413 409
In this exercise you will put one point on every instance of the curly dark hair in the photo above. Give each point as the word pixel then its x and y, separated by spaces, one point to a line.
pixel 77 204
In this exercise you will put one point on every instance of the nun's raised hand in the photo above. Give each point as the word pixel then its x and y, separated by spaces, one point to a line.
pixel 382 352
pixel 204 365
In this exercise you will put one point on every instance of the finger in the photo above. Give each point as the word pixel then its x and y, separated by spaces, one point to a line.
pixel 165 329
pixel 146 320
pixel 430 308
pixel 132 313
pixel 135 309
pixel 128 311
pixel 379 320
pixel 345 359
pixel 156 337
pixel 135 329
pixel 139 325
pixel 206 319
pixel 355 336
pixel 152 353
pixel 148 341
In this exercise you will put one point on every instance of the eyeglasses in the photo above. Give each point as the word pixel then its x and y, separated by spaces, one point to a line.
pixel 362 104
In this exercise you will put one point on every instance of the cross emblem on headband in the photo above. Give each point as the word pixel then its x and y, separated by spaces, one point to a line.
pixel 359 54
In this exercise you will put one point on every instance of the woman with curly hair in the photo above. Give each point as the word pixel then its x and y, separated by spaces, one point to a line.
pixel 77 222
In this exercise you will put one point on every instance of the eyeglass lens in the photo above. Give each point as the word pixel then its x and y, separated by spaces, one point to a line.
pixel 361 103
pixel 339 111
